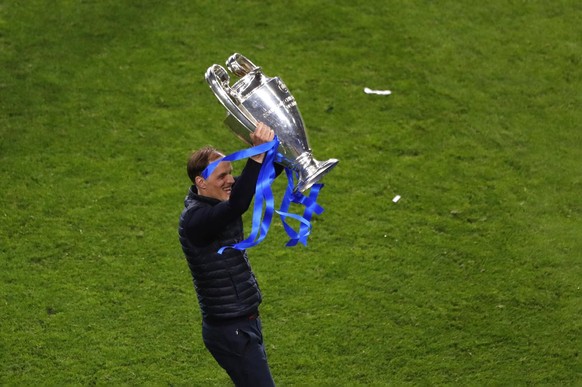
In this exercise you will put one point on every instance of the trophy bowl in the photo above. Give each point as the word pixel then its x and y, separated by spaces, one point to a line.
pixel 255 98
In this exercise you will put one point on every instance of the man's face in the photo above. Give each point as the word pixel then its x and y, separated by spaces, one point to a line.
pixel 219 183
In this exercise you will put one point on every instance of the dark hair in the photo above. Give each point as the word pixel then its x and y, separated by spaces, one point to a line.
pixel 200 159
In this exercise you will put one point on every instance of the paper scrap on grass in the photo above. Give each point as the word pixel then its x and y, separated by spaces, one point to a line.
pixel 396 198
pixel 378 92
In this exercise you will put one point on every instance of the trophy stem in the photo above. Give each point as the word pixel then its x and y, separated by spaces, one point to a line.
pixel 311 170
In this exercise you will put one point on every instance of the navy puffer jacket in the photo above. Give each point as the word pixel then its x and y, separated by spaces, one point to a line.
pixel 225 283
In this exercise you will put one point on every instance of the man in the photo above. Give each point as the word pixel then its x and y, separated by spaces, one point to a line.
pixel 227 290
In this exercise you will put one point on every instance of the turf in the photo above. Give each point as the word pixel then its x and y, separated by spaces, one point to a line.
pixel 472 278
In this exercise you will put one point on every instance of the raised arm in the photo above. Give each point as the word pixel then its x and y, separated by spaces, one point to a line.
pixel 204 222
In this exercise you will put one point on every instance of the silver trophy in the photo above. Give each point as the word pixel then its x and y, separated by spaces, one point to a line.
pixel 256 97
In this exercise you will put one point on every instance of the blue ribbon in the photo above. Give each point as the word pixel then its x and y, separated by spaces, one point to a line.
pixel 241 154
pixel 264 200
pixel 263 197
pixel 310 204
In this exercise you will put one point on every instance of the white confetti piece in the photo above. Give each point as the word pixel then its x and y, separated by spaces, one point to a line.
pixel 378 92
pixel 396 198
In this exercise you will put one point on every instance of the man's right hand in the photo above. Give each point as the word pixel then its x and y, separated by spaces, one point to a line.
pixel 262 134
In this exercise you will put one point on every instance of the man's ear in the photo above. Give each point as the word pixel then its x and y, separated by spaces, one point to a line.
pixel 200 182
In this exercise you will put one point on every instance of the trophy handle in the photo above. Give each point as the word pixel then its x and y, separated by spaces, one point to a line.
pixel 218 79
pixel 240 66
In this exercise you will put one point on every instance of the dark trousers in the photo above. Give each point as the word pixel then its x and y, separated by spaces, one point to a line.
pixel 238 347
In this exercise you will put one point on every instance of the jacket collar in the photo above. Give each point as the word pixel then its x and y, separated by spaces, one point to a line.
pixel 193 196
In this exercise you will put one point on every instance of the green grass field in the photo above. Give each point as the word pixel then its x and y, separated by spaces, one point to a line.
pixel 473 278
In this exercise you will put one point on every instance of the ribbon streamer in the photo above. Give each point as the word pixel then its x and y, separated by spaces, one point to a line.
pixel 310 204
pixel 241 154
pixel 263 210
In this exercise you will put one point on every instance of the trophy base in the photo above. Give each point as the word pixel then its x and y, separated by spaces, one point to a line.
pixel 316 173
